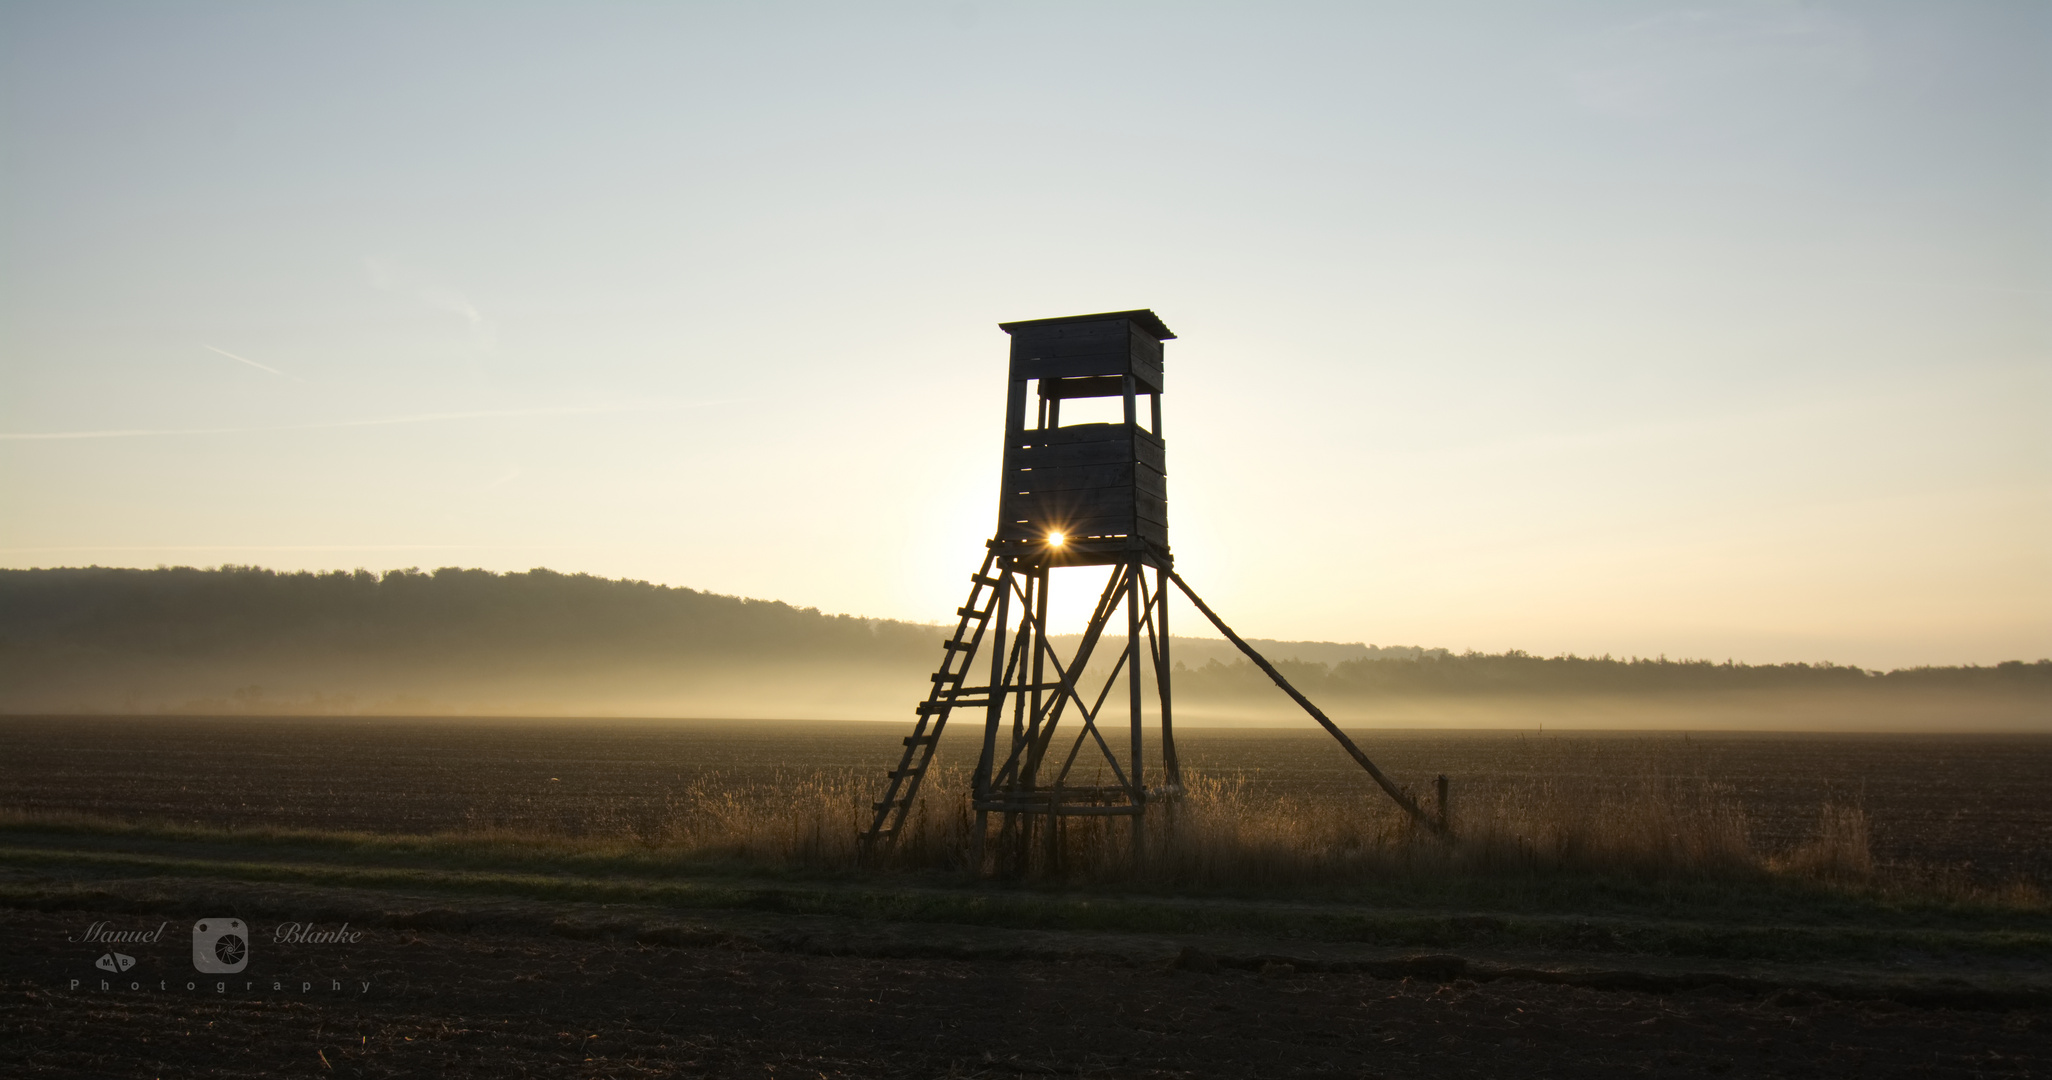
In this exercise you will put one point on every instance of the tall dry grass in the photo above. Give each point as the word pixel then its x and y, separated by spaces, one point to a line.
pixel 1231 830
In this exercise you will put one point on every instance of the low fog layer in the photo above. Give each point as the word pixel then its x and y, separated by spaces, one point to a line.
pixel 251 641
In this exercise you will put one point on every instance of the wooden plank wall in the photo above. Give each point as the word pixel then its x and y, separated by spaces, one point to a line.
pixel 1079 350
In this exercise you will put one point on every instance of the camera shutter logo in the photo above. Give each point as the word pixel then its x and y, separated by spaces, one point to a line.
pixel 220 946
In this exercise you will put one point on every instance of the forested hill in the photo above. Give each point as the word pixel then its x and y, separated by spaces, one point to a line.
pixel 441 614
pixel 453 640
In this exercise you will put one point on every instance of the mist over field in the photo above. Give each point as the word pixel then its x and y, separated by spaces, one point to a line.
pixel 244 640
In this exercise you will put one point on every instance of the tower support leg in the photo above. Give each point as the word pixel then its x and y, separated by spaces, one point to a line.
pixel 1133 707
pixel 1172 767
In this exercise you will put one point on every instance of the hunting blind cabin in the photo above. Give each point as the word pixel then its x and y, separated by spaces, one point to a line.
pixel 1083 494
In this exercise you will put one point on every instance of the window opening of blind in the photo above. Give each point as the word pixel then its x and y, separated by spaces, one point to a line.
pixel 1093 410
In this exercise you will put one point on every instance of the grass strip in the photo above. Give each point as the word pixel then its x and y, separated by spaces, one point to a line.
pixel 1764 898
pixel 1020 910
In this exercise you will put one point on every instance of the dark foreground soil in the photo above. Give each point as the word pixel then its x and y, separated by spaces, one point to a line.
pixel 497 1004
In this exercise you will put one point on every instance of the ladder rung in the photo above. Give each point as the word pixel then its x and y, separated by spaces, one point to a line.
pixel 889 803
pixel 981 580
pixel 944 677
pixel 972 613
pixel 922 740
pixel 913 771
pixel 957 646
pixel 1016 688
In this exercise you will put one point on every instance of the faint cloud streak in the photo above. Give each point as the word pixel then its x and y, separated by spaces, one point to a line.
pixel 387 276
pixel 383 421
pixel 247 360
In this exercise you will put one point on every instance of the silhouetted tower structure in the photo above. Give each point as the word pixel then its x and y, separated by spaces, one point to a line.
pixel 1072 494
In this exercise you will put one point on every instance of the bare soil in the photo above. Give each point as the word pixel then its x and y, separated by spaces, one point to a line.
pixel 479 997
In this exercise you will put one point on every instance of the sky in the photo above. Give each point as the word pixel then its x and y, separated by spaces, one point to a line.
pixel 1720 330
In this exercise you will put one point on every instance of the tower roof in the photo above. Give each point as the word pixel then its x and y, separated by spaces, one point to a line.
pixel 1141 317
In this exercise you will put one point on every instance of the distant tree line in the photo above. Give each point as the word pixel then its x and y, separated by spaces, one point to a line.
pixel 1518 672
pixel 458 617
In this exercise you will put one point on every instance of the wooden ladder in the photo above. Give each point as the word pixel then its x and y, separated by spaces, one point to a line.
pixel 945 695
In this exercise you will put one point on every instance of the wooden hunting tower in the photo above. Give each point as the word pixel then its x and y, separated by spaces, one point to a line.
pixel 1080 494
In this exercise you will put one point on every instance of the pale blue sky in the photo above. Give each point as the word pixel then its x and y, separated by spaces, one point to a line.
pixel 1718 330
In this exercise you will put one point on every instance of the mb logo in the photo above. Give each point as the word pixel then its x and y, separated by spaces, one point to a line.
pixel 114 962
pixel 220 946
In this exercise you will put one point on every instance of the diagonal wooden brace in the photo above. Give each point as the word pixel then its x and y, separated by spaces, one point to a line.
pixel 1401 797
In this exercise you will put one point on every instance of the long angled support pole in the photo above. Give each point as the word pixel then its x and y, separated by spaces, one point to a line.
pixel 1402 797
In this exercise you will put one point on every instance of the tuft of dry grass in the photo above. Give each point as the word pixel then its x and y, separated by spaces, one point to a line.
pixel 800 818
pixel 1841 850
